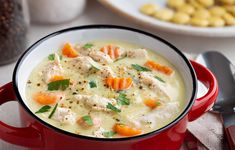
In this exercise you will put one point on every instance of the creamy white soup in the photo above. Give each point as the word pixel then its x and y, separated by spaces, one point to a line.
pixel 105 89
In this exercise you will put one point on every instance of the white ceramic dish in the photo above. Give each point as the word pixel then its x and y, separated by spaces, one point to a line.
pixel 130 10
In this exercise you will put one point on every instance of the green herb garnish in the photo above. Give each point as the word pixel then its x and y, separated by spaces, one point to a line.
pixel 53 111
pixel 56 85
pixel 92 84
pixel 88 120
pixel 122 100
pixel 52 57
pixel 139 68
pixel 159 79
pixel 88 45
pixel 109 133
pixel 43 109
pixel 113 108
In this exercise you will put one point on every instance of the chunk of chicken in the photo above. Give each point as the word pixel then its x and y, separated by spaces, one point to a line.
pixel 83 63
pixel 99 132
pixel 95 102
pixel 65 116
pixel 166 111
pixel 154 84
pixel 106 72
pixel 83 51
pixel 138 53
pixel 100 57
pixel 52 69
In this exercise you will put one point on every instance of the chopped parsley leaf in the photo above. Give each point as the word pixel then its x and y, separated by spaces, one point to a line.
pixel 43 109
pixel 113 108
pixel 139 68
pixel 57 85
pixel 92 84
pixel 88 45
pixel 88 120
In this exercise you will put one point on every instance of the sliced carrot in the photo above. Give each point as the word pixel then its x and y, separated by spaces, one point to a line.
pixel 117 52
pixel 112 51
pixel 45 98
pixel 122 83
pixel 151 103
pixel 56 78
pixel 164 69
pixel 69 51
pixel 125 130
pixel 109 82
pixel 118 83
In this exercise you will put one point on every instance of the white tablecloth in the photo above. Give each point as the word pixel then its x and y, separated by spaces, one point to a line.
pixel 95 13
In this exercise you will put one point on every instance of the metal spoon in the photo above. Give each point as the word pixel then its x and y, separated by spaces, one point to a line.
pixel 224 71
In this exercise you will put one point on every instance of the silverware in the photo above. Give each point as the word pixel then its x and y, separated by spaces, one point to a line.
pixel 224 71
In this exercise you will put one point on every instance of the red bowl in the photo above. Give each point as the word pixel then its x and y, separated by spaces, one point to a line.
pixel 38 134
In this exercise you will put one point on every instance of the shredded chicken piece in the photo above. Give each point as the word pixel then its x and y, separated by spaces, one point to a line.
pixel 52 69
pixel 99 133
pixel 106 72
pixel 100 57
pixel 95 102
pixel 65 116
pixel 164 112
pixel 83 63
pixel 154 84
pixel 138 53
pixel 82 51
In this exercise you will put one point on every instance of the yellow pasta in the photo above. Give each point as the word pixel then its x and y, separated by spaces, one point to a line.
pixel 200 22
pixel 229 19
pixel 181 18
pixel 186 8
pixel 164 14
pixel 217 11
pixel 202 13
pixel 216 22
pixel 175 3
pixel 206 3
pixel 149 9
pixel 195 4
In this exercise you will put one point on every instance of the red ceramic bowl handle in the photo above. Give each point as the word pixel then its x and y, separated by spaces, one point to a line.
pixel 28 136
pixel 204 103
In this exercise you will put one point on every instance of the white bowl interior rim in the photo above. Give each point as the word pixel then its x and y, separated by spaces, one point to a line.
pixel 47 45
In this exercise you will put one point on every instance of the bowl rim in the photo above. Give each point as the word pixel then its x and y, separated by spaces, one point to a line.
pixel 102 26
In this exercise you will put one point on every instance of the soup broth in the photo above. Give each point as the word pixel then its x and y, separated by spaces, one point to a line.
pixel 106 89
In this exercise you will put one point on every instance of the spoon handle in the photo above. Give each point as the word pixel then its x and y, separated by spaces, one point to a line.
pixel 230 133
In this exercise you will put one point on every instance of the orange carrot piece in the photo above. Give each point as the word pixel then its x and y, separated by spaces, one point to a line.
pixel 128 82
pixel 125 130
pixel 112 51
pixel 118 83
pixel 45 98
pixel 104 50
pixel 164 69
pixel 116 52
pixel 69 51
pixel 151 103
pixel 56 78
pixel 122 83
pixel 109 82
